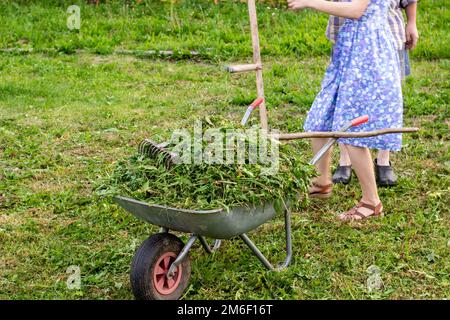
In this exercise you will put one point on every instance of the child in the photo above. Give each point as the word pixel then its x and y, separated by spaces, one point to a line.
pixel 363 78
pixel 405 38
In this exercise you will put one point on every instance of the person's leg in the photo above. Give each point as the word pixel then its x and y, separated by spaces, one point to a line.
pixel 362 164
pixel 344 158
pixel 343 173
pixel 383 158
pixel 323 165
pixel 384 172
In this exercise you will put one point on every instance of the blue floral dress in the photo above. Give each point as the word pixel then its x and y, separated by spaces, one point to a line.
pixel 363 78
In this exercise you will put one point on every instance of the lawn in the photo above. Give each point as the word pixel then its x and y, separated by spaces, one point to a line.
pixel 67 117
pixel 215 31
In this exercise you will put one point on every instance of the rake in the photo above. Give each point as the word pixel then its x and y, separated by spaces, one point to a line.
pixel 153 150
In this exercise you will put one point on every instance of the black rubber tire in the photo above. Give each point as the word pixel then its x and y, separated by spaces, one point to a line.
pixel 144 262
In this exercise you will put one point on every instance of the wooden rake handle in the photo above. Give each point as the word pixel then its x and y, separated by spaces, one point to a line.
pixel 336 134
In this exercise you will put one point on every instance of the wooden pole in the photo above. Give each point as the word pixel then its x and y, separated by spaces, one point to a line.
pixel 257 61
pixel 243 68
pixel 334 134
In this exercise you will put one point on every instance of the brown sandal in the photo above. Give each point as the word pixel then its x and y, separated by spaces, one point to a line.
pixel 323 192
pixel 355 214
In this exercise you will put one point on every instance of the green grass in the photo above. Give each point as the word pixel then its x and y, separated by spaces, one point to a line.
pixel 216 31
pixel 65 121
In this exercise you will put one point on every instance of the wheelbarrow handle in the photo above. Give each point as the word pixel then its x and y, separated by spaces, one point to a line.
pixel 353 123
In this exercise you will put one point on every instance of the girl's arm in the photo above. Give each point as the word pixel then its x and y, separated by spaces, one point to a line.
pixel 352 10
pixel 412 35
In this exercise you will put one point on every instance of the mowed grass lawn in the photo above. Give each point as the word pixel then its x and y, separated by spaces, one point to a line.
pixel 65 120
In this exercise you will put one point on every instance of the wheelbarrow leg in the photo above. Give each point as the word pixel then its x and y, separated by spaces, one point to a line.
pixel 262 258
pixel 256 251
pixel 287 225
pixel 205 245
pixel 181 256
pixel 217 244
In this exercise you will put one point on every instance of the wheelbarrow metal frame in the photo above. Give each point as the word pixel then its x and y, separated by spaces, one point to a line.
pixel 154 215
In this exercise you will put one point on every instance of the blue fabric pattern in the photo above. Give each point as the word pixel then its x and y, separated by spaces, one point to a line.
pixel 363 78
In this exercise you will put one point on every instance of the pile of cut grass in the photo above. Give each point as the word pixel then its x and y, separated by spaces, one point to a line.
pixel 209 186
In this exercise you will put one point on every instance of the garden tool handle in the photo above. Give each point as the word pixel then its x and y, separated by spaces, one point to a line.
pixel 353 123
pixel 250 108
pixel 360 120
pixel 257 102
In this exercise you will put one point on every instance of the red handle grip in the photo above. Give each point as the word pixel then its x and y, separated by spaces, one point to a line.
pixel 257 102
pixel 360 120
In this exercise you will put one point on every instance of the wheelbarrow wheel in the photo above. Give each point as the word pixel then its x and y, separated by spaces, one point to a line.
pixel 151 264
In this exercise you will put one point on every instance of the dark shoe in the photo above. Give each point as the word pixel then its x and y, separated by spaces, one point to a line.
pixel 343 174
pixel 385 175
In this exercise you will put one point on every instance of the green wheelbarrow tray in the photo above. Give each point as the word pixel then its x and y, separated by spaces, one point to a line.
pixel 216 224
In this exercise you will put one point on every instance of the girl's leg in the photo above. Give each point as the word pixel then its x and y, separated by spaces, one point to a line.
pixel 384 172
pixel 362 164
pixel 344 158
pixel 383 158
pixel 323 165
pixel 343 173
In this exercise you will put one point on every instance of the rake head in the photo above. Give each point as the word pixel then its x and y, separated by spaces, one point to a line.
pixel 156 151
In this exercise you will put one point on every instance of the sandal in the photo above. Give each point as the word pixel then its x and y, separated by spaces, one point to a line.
pixel 355 214
pixel 324 191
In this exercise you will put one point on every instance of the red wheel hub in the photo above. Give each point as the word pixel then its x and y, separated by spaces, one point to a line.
pixel 163 284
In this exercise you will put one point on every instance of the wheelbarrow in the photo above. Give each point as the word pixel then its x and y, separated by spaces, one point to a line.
pixel 161 266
